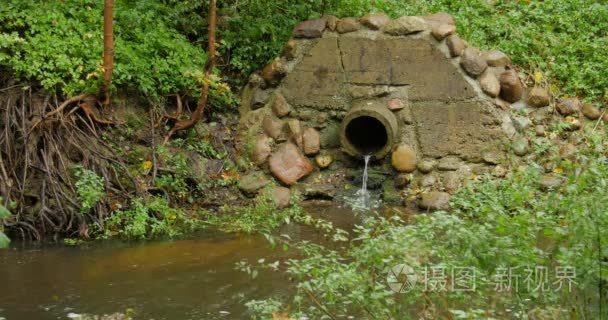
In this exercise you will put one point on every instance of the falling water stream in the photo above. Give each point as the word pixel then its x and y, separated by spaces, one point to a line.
pixel 364 197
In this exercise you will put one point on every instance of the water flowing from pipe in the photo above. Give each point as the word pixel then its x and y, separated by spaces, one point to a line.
pixel 363 194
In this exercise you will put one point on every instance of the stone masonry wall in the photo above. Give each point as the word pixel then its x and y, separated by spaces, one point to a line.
pixel 450 100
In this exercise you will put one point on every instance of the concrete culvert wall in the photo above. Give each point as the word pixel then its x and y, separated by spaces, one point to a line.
pixel 430 108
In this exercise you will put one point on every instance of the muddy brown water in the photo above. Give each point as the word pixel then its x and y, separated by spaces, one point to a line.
pixel 192 278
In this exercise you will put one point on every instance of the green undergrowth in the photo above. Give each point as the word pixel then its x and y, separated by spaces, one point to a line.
pixel 147 219
pixel 160 44
pixel 59 44
pixel 4 213
pixel 262 216
pixel 507 249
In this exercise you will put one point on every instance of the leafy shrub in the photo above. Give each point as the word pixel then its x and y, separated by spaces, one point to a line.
pixel 494 225
pixel 90 188
pixel 262 217
pixel 4 213
pixel 59 44
pixel 148 219
pixel 159 42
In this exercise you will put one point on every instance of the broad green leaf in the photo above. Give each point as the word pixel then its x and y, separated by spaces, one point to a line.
pixel 4 213
pixel 4 240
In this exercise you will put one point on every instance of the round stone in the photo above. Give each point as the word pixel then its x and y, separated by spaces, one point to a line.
pixel 539 130
pixel 403 158
pixel 472 62
pixel 434 200
pixel 496 58
pixel 348 25
pixel 324 160
pixel 539 97
pixel 489 84
pixel 511 88
pixel 402 180
pixel 591 112
pixel 520 146
pixel 427 165
pixel 568 106
pixel 455 44
pixel 281 196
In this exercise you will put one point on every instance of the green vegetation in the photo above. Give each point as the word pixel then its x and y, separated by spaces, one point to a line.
pixel 58 43
pixel 4 213
pixel 159 43
pixel 89 187
pixel 263 216
pixel 493 225
pixel 146 219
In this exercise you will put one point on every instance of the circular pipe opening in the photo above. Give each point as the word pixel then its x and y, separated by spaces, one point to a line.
pixel 369 128
pixel 366 134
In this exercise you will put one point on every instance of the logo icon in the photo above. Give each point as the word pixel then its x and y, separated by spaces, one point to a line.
pixel 401 278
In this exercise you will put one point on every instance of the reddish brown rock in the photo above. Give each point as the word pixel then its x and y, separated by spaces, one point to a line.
pixel 375 21
pixel 489 84
pixel 280 107
pixel 311 141
pixel 539 97
pixel 455 45
pixel 288 164
pixel 272 126
pixel 472 62
pixel 274 72
pixel 261 149
pixel 511 88
pixel 310 28
pixel 402 180
pixel 396 104
pixel 442 31
pixel 348 25
pixel 568 106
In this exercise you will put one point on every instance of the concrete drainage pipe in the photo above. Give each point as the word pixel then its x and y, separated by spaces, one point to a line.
pixel 369 129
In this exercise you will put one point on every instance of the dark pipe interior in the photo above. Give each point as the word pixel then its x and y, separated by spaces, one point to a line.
pixel 367 134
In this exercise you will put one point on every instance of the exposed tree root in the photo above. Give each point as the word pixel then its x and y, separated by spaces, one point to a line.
pixel 38 151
